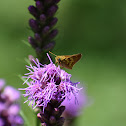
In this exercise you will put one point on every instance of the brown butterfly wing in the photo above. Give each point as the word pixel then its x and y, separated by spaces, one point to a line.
pixel 70 60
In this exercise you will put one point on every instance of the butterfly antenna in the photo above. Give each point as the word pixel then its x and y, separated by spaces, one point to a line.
pixel 52 53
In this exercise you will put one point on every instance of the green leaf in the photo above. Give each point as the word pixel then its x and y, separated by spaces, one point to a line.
pixel 25 118
pixel 26 42
pixel 28 105
pixel 27 61
pixel 23 79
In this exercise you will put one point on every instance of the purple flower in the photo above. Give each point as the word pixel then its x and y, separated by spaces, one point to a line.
pixel 2 106
pixel 13 107
pixel 11 94
pixel 9 111
pixel 48 82
pixel 72 110
pixel 15 119
pixel 1 122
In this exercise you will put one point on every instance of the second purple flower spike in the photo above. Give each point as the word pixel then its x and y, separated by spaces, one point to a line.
pixel 9 106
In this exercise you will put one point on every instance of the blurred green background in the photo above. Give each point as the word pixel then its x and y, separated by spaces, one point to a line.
pixel 95 28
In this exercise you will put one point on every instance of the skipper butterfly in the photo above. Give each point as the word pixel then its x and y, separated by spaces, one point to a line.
pixel 67 61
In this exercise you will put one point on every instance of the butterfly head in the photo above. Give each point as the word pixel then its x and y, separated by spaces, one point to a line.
pixel 58 59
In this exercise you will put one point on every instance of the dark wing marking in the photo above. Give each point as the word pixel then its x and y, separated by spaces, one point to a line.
pixel 69 61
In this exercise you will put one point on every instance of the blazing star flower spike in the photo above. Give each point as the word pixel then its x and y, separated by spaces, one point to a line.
pixel 48 82
pixel 42 24
pixel 9 107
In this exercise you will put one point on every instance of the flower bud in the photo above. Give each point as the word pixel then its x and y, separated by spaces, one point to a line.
pixel 52 120
pixel 31 58
pixel 38 50
pixel 61 110
pixel 52 10
pixel 45 30
pixel 32 42
pixel 55 112
pixel 42 18
pixel 53 33
pixel 11 94
pixel 33 11
pixel 61 121
pixel 48 1
pixel 38 37
pixel 49 46
pixel 56 1
pixel 43 124
pixel 39 5
pixel 53 22
pixel 34 25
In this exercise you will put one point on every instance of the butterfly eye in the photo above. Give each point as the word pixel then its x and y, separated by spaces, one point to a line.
pixel 59 60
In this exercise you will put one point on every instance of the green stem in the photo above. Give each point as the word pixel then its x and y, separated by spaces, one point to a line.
pixel 37 121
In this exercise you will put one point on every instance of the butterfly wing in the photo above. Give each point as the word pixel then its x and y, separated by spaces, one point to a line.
pixel 70 60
